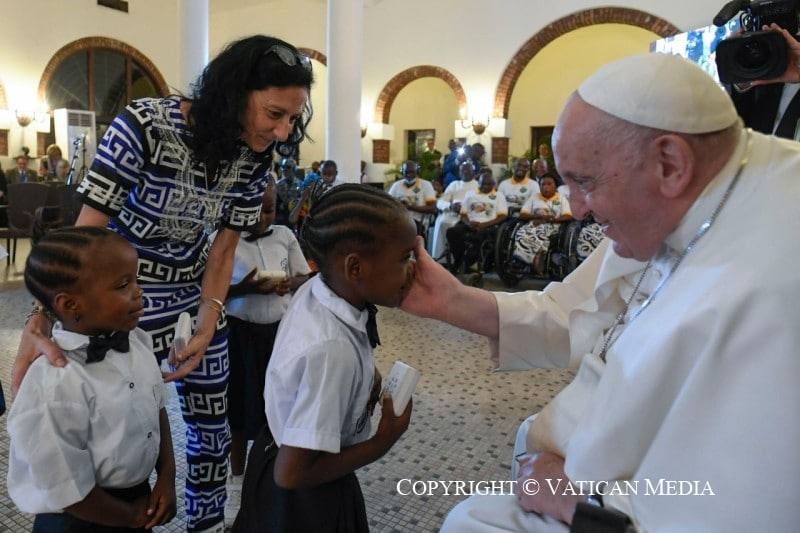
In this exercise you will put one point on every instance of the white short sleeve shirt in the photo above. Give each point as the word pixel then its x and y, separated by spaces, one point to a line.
pixel 83 425
pixel 321 373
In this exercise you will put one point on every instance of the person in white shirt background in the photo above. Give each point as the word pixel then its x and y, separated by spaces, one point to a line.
pixel 449 206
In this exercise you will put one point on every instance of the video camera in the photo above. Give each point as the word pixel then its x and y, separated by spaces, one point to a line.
pixel 755 54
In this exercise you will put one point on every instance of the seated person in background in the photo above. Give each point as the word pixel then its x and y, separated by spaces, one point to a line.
pixel 329 177
pixel 546 211
pixel 481 211
pixel 540 168
pixel 449 206
pixel 287 190
pixel 313 175
pixel 62 170
pixel 416 194
pixel 254 307
pixel 21 174
pixel 519 187
pixel 590 234
pixel 49 164
pixel 83 442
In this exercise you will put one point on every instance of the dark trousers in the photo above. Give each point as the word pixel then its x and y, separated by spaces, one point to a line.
pixel 66 523
pixel 465 244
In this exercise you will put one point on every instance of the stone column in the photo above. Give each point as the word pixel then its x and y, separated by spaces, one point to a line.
pixel 345 53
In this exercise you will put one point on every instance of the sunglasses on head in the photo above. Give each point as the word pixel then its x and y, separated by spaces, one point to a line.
pixel 289 57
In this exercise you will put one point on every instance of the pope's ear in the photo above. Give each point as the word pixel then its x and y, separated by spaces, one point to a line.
pixel 675 159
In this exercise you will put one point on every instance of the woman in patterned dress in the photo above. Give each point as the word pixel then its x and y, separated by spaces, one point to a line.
pixel 168 172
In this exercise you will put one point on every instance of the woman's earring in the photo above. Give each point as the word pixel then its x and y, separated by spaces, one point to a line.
pixel 77 318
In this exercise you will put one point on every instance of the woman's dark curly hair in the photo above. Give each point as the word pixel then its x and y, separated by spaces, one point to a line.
pixel 219 97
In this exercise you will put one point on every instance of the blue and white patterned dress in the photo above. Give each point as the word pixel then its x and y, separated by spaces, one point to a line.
pixel 145 178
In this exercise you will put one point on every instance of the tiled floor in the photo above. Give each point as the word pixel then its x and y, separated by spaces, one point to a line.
pixel 462 428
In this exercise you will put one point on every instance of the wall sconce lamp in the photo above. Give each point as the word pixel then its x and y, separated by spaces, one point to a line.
pixel 363 130
pixel 25 117
pixel 478 126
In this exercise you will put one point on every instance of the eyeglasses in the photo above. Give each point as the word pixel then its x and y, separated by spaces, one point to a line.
pixel 289 57
pixel 589 185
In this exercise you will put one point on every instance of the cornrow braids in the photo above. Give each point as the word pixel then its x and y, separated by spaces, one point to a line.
pixel 55 261
pixel 350 214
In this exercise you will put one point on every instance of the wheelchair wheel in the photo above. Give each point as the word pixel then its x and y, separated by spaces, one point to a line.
pixel 508 270
pixel 562 257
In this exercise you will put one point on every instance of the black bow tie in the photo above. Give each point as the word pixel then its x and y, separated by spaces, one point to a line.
pixel 372 325
pixel 98 346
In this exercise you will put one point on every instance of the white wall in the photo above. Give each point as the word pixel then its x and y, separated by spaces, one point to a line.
pixel 34 30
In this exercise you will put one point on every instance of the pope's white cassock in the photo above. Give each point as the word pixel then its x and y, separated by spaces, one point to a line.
pixel 700 386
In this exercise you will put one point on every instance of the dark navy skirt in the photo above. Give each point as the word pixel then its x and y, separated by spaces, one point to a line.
pixel 335 507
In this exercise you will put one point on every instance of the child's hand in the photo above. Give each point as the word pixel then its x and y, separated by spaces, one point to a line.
pixel 391 427
pixel 162 506
pixel 140 516
pixel 282 286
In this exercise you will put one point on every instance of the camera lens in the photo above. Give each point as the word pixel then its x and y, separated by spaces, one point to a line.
pixel 753 55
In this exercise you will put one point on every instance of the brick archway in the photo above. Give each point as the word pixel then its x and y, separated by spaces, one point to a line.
pixel 589 17
pixel 582 19
pixel 390 91
pixel 101 42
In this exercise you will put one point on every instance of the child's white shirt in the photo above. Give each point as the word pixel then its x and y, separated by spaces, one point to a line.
pixel 277 251
pixel 321 372
pixel 83 425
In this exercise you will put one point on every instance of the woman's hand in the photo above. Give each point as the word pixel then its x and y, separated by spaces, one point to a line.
pixel 186 360
pixel 35 342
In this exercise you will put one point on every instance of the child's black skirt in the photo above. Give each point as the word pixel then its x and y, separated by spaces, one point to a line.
pixel 335 507
pixel 66 523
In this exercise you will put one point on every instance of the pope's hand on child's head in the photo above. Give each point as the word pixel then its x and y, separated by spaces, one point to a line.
pixel 431 291
pixel 35 343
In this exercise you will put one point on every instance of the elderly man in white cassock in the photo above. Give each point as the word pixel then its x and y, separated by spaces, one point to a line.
pixel 684 414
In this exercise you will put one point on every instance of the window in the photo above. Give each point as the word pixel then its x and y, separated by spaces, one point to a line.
pixel 101 75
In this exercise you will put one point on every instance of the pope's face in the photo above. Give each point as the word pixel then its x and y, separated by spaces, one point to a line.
pixel 617 186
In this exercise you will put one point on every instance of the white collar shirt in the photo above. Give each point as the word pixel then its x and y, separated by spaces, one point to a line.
pixel 321 373
pixel 83 425
pixel 277 251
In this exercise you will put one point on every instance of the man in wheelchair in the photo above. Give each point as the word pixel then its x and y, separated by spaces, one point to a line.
pixel 481 213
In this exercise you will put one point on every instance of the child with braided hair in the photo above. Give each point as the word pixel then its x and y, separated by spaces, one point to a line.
pixel 86 437
pixel 322 384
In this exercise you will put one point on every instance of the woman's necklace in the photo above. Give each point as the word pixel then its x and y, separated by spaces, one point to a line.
pixel 704 227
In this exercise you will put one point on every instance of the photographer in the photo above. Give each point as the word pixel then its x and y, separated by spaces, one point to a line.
pixel 773 105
